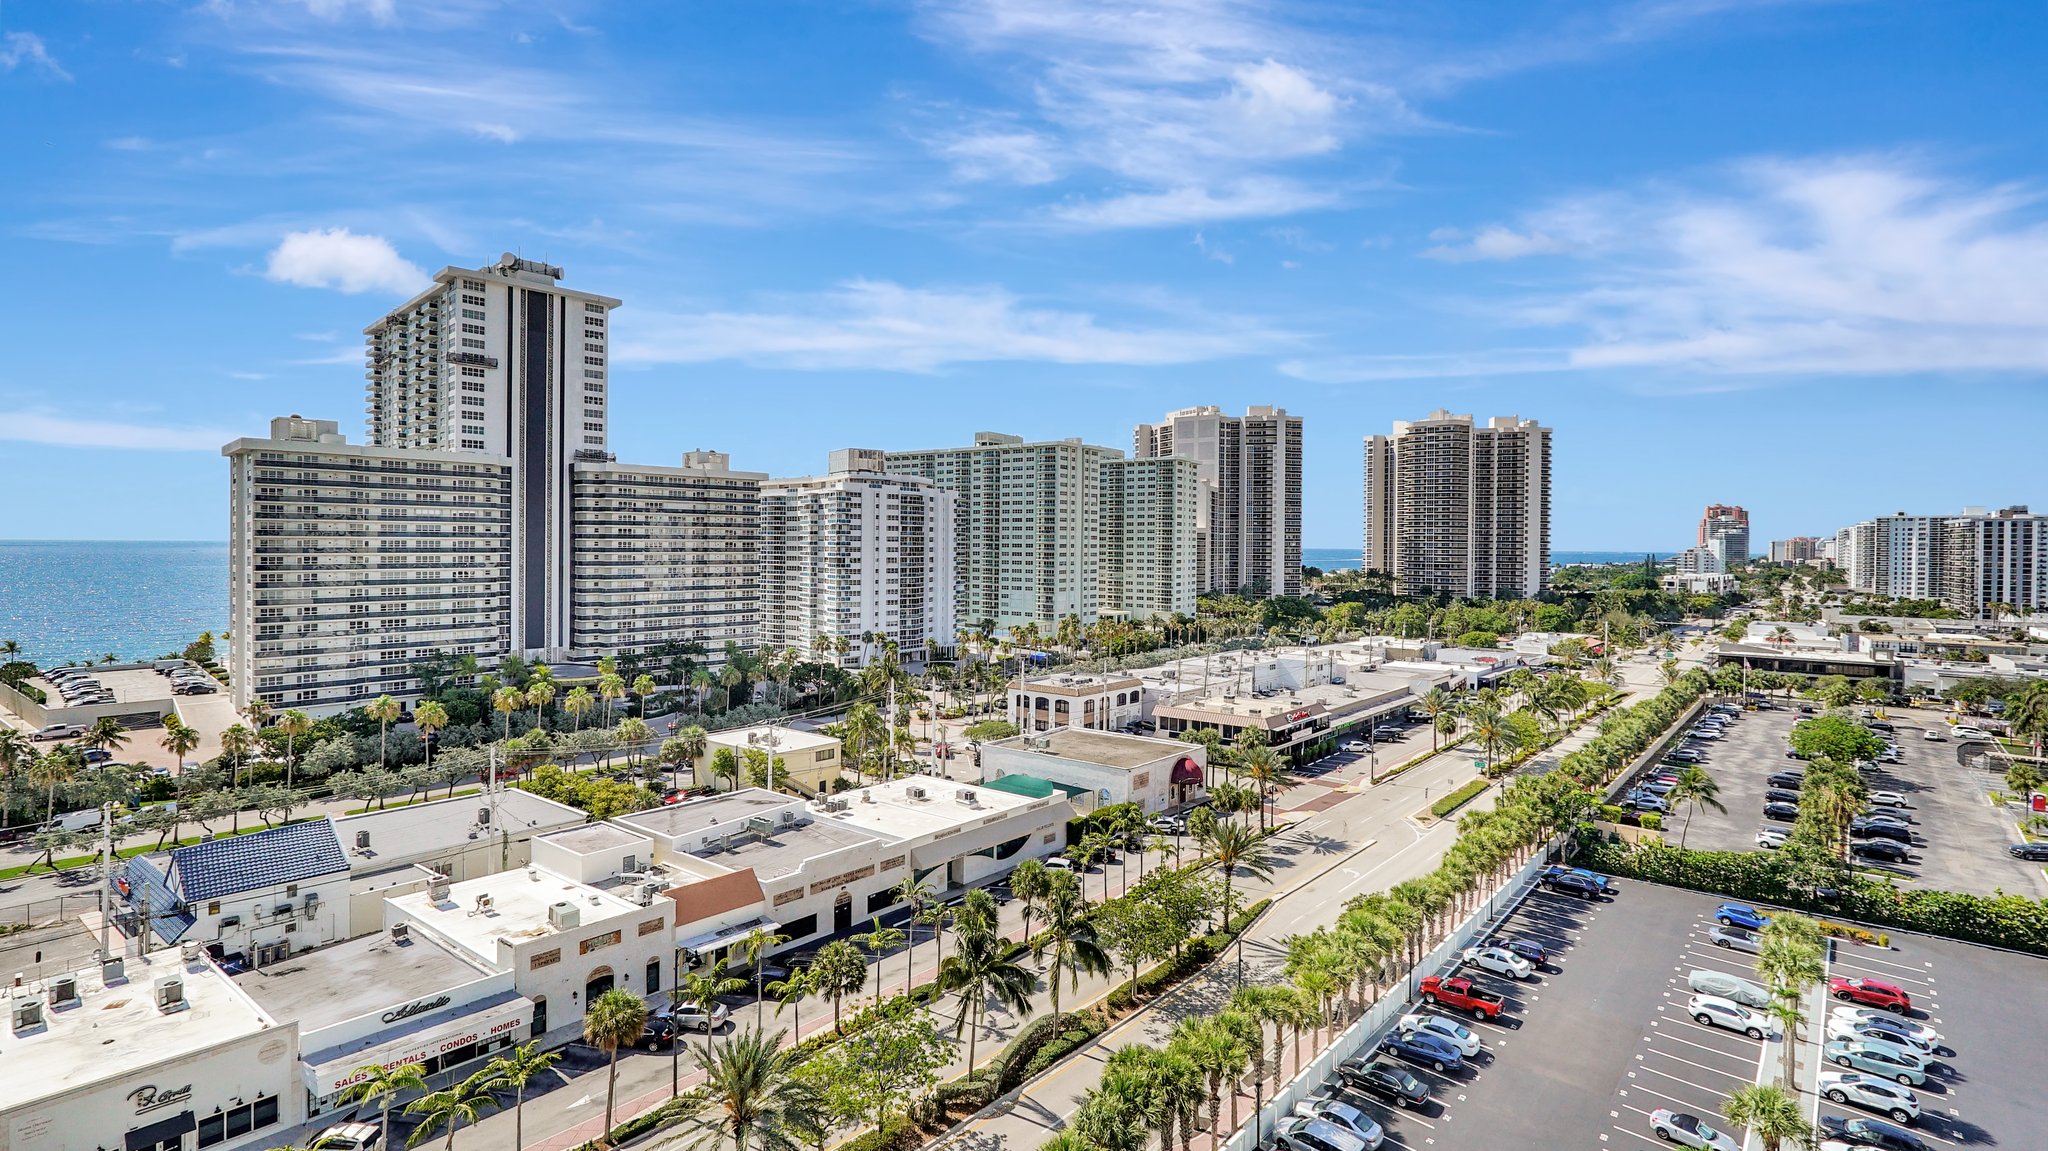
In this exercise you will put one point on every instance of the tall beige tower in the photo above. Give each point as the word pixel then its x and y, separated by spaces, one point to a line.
pixel 1458 507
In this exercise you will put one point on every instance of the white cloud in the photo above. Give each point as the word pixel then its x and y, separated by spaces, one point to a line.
pixel 1490 243
pixel 19 48
pixel 1213 251
pixel 1255 198
pixel 341 259
pixel 1019 157
pixel 130 144
pixel 1426 365
pixel 1871 265
pixel 876 325
pixel 35 427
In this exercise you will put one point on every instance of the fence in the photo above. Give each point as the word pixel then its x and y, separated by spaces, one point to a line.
pixel 1672 735
pixel 1390 1007
pixel 43 912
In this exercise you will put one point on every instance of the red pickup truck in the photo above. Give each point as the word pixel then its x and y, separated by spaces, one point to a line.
pixel 1460 993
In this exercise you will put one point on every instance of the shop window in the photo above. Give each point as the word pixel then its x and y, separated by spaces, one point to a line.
pixel 653 976
pixel 881 899
pixel 799 928
pixel 236 1122
pixel 540 1016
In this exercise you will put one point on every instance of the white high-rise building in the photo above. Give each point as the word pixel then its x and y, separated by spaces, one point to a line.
pixel 1895 555
pixel 503 361
pixel 349 562
pixel 1456 507
pixel 1249 513
pixel 1995 563
pixel 1148 537
pixel 856 552
pixel 665 555
pixel 1028 531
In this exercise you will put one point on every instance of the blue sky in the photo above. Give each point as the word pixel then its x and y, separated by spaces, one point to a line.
pixel 1787 255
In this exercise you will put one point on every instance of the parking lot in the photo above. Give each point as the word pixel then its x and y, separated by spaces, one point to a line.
pixel 1601 1040
pixel 1959 838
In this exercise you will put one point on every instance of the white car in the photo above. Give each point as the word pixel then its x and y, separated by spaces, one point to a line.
pixel 1770 838
pixel 1896 1023
pixel 1689 1131
pixel 1888 799
pixel 1869 1091
pixel 1706 733
pixel 1714 1011
pixel 1972 733
pixel 1848 1027
pixel 348 1137
pixel 1498 960
pixel 1296 1133
pixel 1933 735
pixel 1730 987
pixel 1450 1031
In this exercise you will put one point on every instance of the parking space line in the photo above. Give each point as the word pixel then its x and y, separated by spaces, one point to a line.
pixel 1718 956
pixel 1701 1066
pixel 1703 1047
pixel 1639 1135
pixel 1664 1097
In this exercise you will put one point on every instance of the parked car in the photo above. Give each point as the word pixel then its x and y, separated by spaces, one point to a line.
pixel 1867 828
pixel 1881 850
pixel 1876 1133
pixel 1714 1011
pixel 1441 1027
pixel 1782 812
pixel 1660 787
pixel 1871 993
pixel 1498 960
pixel 1886 1019
pixel 1688 1130
pixel 1966 732
pixel 1386 1080
pixel 1789 780
pixel 1528 949
pixel 1933 735
pixel 1889 799
pixel 1167 824
pixel 1460 994
pixel 1878 1029
pixel 1780 795
pixel 1877 1058
pixel 58 731
pixel 1296 1133
pixel 1735 939
pixel 1573 884
pixel 1740 915
pixel 690 1017
pixel 1858 1089
pixel 1646 802
pixel 1354 745
pixel 348 1137
pixel 1733 988
pixel 1423 1049
pixel 1770 838
pixel 1345 1118
pixel 2033 851
pixel 1685 755
pixel 1605 884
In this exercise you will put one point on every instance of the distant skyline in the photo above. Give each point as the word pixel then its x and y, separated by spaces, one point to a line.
pixel 1775 253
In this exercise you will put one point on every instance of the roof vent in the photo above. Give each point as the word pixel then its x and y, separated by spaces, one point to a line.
pixel 401 933
pixel 914 791
pixel 483 816
pixel 483 904
pixel 63 990
pixel 362 841
pixel 966 795
pixel 437 889
pixel 170 994
pixel 28 1013
pixel 189 951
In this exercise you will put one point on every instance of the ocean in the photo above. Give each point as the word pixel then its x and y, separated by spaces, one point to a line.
pixel 70 600
pixel 1330 559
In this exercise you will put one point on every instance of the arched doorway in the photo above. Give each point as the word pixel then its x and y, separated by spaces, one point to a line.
pixel 600 981
pixel 842 912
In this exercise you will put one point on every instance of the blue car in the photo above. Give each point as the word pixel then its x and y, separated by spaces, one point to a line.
pixel 1600 882
pixel 1425 1049
pixel 1740 915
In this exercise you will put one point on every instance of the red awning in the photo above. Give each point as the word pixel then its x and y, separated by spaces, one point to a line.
pixel 1187 770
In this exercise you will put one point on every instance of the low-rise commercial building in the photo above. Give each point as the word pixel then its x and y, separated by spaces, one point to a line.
pixel 1099 768
pixel 810 760
pixel 459 839
pixel 154 1052
pixel 1103 701
pixel 1697 583
pixel 249 900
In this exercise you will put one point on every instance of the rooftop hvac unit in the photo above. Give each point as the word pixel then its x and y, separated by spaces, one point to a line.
pixel 966 795
pixel 113 971
pixel 362 841
pixel 28 1013
pixel 401 932
pixel 170 993
pixel 437 889
pixel 788 817
pixel 63 990
pixel 283 909
pixel 647 894
pixel 563 915
pixel 630 864
pixel 188 951
pixel 914 791
pixel 483 816
pixel 483 904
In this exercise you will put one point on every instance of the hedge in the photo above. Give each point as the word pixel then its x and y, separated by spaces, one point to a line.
pixel 1197 952
pixel 1628 733
pixel 675 1110
pixel 1458 798
pixel 2011 921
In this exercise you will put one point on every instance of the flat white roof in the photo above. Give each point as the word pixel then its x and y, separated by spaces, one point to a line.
pixel 894 815
pixel 110 1032
pixel 1358 687
pixel 405 833
pixel 787 738
pixel 519 909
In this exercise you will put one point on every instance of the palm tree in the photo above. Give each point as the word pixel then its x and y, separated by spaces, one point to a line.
pixel 539 694
pixel 1775 1116
pixel 295 725
pixel 236 743
pixel 1438 702
pixel 385 711
pixel 916 893
pixel 107 734
pixel 452 1106
pixel 1219 1051
pixel 754 946
pixel 611 688
pixel 759 1097
pixel 701 682
pixel 526 1062
pixel 983 969
pixel 50 771
pixel 789 992
pixel 837 972
pixel 1028 882
pixel 179 739
pixel 430 717
pixel 1238 850
pixel 381 1084
pixel 1694 789
pixel 1069 936
pixel 879 939
pixel 505 701
pixel 690 743
pixel 613 1020
pixel 578 703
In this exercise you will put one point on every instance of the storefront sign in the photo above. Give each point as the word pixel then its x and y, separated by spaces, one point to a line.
pixel 417 1007
pixel 340 1078
pixel 149 1097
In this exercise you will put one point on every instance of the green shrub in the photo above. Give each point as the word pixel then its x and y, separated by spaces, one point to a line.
pixel 899 1135
pixel 1458 798
pixel 1652 820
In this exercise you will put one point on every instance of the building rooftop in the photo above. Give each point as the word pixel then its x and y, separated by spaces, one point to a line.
pixel 519 902
pixel 592 838
pixel 290 854
pixel 1109 749
pixel 786 738
pixel 1359 688
pixel 1077 682
pixel 784 851
pixel 727 808
pixel 403 834
pixel 111 1032
pixel 889 810
pixel 327 986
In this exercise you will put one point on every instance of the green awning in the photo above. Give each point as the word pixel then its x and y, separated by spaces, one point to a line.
pixel 1032 787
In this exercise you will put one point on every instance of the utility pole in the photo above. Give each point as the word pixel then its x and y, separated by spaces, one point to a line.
pixel 106 879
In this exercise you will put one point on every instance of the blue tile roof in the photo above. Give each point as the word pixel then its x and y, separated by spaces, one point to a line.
pixel 151 896
pixel 290 854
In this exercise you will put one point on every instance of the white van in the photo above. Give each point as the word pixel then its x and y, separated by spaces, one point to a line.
pixel 1729 987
